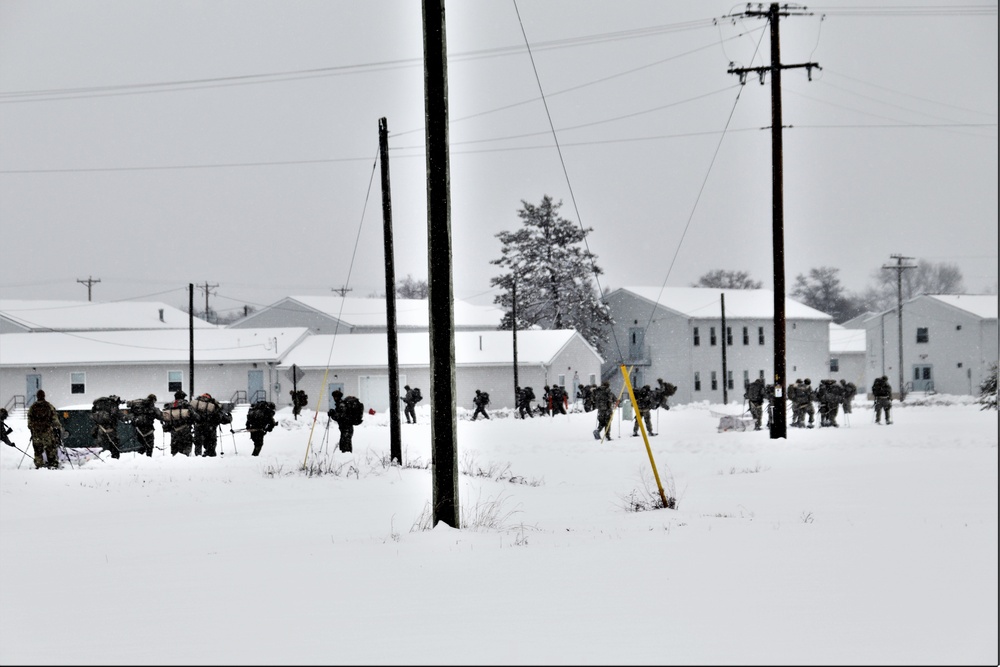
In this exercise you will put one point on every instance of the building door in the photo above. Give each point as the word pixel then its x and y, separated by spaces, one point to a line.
pixel 374 392
pixel 34 384
pixel 255 386
pixel 923 379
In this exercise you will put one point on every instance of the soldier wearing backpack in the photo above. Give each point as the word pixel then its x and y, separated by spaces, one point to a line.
pixel 4 429
pixel 299 400
pixel 46 431
pixel 260 422
pixel 178 419
pixel 348 412
pixel 410 400
pixel 106 415
pixel 755 397
pixel 206 429
pixel 144 416
pixel 480 400
pixel 882 393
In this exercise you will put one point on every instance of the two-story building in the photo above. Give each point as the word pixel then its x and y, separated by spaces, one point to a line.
pixel 949 343
pixel 679 334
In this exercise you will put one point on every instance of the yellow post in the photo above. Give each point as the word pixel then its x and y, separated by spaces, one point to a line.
pixel 645 437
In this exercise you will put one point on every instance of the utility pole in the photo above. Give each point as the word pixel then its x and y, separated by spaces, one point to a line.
pixel 899 268
pixel 778 418
pixel 191 341
pixel 725 339
pixel 342 291
pixel 89 282
pixel 207 289
pixel 441 308
pixel 513 320
pixel 395 437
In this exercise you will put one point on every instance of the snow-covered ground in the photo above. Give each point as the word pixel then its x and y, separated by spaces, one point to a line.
pixel 865 544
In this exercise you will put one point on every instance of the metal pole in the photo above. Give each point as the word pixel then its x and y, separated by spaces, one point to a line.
pixel 513 315
pixel 191 340
pixel 395 437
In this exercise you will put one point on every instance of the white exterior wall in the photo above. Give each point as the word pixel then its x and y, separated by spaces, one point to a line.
pixel 129 381
pixel 673 356
pixel 959 357
pixel 851 368
pixel 974 346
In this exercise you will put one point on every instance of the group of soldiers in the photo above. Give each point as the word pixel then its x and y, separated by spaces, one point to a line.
pixel 830 395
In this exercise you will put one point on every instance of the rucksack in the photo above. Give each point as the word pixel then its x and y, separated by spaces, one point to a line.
pixel 417 397
pixel 260 414
pixel 40 416
pixel 486 398
pixel 205 404
pixel 354 410
pixel 105 411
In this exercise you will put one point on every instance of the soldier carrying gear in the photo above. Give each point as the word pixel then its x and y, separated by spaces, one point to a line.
pixel 755 395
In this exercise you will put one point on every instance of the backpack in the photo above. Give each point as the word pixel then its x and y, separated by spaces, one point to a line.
pixel 417 397
pixel 354 410
pixel 486 398
pixel 105 411
pixel 261 415
pixel 40 416
pixel 205 404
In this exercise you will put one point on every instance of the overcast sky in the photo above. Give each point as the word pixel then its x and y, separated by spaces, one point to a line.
pixel 160 143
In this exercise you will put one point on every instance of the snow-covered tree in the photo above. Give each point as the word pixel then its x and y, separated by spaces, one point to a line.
pixel 410 288
pixel 553 273
pixel 723 279
pixel 988 390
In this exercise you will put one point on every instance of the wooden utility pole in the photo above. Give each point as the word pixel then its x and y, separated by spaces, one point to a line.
pixel 89 283
pixel 395 437
pixel 725 339
pixel 779 427
pixel 207 289
pixel 899 268
pixel 513 316
pixel 444 429
pixel 191 340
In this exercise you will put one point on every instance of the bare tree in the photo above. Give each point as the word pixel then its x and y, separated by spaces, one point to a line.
pixel 410 288
pixel 822 290
pixel 724 279
pixel 927 278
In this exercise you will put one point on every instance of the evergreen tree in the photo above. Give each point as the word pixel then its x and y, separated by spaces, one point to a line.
pixel 988 390
pixel 553 275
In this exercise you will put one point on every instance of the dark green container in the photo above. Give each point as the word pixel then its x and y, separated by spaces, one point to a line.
pixel 78 425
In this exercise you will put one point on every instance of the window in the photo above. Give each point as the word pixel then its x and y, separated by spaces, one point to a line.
pixel 697 381
pixel 78 383
pixel 760 335
pixel 592 379
pixel 729 335
pixel 834 365
pixel 960 364
pixel 697 337
pixel 923 335
pixel 761 374
pixel 746 378
pixel 711 336
pixel 729 379
pixel 958 327
pixel 175 381
pixel 715 381
pixel 746 335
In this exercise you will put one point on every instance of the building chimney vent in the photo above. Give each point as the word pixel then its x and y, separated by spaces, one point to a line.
pixel 161 315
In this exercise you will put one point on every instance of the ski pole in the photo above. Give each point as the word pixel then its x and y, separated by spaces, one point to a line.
pixel 31 441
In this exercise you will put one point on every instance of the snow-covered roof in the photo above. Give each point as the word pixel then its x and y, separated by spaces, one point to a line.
pixel 472 348
pixel 38 315
pixel 705 302
pixel 128 347
pixel 980 305
pixel 410 313
pixel 843 340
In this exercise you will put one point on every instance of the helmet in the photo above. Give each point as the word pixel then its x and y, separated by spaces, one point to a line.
pixel 151 397
pixel 179 394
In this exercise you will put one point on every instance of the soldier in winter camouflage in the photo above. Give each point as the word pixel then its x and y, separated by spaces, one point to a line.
pixel 46 431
